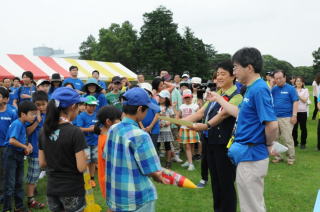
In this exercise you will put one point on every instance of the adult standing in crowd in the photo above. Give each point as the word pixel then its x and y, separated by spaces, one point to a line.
pixel 7 85
pixel 217 131
pixel 102 84
pixel 255 132
pixel 286 103
pixel 176 81
pixel 140 79
pixel 315 92
pixel 77 83
pixel 302 115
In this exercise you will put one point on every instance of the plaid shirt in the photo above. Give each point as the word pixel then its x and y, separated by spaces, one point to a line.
pixel 130 156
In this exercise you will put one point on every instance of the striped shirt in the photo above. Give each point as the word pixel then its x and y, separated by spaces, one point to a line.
pixel 130 157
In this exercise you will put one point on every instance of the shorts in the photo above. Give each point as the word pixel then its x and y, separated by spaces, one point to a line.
pixel 67 204
pixel 148 207
pixel 33 170
pixel 92 154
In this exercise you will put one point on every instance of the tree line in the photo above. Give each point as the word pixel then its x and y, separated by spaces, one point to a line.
pixel 159 45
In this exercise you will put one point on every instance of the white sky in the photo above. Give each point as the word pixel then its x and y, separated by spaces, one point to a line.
pixel 286 29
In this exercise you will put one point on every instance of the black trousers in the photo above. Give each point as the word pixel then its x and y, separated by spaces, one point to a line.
pixel 204 162
pixel 302 121
pixel 223 175
pixel 318 133
pixel 315 99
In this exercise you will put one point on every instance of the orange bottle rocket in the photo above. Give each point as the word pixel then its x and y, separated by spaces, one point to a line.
pixel 174 178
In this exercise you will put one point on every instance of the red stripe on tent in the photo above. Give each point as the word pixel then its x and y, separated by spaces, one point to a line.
pixel 5 73
pixel 27 65
pixel 55 66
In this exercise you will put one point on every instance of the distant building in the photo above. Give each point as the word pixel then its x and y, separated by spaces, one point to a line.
pixel 50 52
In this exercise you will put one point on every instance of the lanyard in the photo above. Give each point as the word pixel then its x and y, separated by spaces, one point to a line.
pixel 210 108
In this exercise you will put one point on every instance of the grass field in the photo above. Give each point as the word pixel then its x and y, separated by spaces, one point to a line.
pixel 287 188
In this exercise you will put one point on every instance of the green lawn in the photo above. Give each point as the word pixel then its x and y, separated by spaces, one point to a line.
pixel 287 188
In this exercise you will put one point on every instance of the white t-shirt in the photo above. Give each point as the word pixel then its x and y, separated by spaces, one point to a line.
pixel 165 112
pixel 315 89
pixel 303 93
pixel 187 110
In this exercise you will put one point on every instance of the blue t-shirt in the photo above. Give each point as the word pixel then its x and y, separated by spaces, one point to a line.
pixel 255 109
pixel 12 94
pixel 13 109
pixel 85 120
pixel 101 99
pixel 34 137
pixel 102 84
pixel 149 118
pixel 17 130
pixel 283 98
pixel 24 90
pixel 77 83
pixel 6 118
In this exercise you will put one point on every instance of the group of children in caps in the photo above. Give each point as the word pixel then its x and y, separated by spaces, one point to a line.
pixel 66 128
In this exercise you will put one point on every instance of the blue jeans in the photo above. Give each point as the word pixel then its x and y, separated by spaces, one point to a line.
pixel 13 180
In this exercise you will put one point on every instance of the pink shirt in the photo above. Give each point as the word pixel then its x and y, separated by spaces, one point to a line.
pixel 303 93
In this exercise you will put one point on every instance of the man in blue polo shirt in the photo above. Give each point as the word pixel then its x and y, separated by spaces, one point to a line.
pixel 285 100
pixel 255 132
pixel 77 83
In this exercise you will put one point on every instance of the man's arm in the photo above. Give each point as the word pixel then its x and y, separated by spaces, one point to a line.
pixel 196 116
pixel 271 132
pixel 228 107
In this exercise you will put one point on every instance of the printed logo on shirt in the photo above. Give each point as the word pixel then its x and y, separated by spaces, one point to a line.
pixel 6 118
pixel 284 92
pixel 246 99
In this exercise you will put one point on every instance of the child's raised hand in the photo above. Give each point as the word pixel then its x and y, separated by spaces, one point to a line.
pixel 39 116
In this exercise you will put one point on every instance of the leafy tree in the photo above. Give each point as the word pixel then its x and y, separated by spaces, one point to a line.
pixel 87 48
pixel 271 64
pixel 316 60
pixel 218 58
pixel 306 72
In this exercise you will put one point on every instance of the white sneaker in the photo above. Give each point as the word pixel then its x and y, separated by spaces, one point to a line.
pixel 177 159
pixel 42 174
pixel 191 167
pixel 185 164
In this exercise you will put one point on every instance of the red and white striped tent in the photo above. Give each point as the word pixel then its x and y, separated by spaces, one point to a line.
pixel 13 65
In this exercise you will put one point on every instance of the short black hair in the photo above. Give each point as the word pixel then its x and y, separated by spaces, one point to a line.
pixel 280 71
pixel 27 74
pixel 4 92
pixel 69 83
pixel 25 107
pixel 249 56
pixel 73 67
pixel 226 65
pixel 96 71
pixel 16 78
pixel 132 109
pixel 39 96
pixel 5 79
pixel 156 82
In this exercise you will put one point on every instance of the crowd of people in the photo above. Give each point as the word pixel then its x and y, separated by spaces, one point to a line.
pixel 64 127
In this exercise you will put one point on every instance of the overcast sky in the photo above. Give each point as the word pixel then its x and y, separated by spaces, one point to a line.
pixel 286 29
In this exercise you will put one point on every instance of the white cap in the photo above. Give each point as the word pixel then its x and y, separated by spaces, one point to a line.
pixel 196 80
pixel 164 94
pixel 43 81
pixel 146 86
pixel 185 75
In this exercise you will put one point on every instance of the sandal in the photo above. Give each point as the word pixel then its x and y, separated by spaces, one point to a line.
pixel 36 205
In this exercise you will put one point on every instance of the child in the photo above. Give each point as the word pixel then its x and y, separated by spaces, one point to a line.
pixel 186 135
pixel 113 97
pixel 17 147
pixel 40 99
pixel 24 92
pixel 61 151
pixel 131 158
pixel 107 116
pixel 165 135
pixel 86 121
pixel 43 85
pixel 7 116
pixel 93 88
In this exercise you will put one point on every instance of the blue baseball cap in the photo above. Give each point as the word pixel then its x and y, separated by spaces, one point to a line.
pixel 65 96
pixel 138 97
